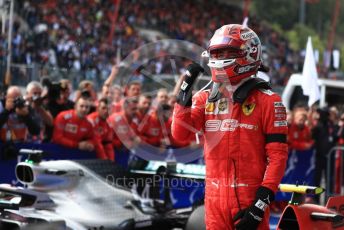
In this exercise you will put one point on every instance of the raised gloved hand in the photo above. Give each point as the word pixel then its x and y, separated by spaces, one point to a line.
pixel 250 217
pixel 185 94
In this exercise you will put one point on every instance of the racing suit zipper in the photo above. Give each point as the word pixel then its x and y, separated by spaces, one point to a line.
pixel 235 185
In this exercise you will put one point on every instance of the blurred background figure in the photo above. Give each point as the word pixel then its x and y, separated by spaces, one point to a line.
pixel 102 130
pixel 56 96
pixel 341 130
pixel 161 98
pixel 143 106
pixel 133 89
pixel 156 130
pixel 73 130
pixel 299 134
pixel 42 116
pixel 16 117
pixel 86 89
pixel 124 125
pixel 172 99
pixel 325 137
pixel 117 97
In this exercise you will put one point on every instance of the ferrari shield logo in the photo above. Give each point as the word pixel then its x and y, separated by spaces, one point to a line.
pixel 247 108
pixel 210 107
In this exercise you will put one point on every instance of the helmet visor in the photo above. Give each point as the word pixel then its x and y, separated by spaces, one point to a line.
pixel 226 53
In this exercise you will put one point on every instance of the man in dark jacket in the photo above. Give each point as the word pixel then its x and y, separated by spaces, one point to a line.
pixel 325 137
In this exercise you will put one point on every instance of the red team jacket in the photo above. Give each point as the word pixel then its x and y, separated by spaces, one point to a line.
pixel 153 130
pixel 125 130
pixel 69 130
pixel 105 135
pixel 299 138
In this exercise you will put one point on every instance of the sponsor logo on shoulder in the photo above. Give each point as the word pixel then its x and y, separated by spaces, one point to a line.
pixel 67 116
pixel 280 123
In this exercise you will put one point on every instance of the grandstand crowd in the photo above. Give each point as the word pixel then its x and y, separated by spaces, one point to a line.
pixel 116 119
pixel 77 35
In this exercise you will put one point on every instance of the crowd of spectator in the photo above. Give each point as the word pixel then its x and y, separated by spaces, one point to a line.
pixel 115 120
pixel 318 129
pixel 75 35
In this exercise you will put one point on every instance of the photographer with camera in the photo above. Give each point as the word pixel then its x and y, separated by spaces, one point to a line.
pixel 56 98
pixel 16 117
pixel 40 114
pixel 72 129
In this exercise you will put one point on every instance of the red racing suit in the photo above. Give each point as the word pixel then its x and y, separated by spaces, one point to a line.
pixel 69 130
pixel 104 134
pixel 244 148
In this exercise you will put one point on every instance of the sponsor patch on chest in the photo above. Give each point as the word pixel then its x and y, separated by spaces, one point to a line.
pixel 71 128
pixel 219 107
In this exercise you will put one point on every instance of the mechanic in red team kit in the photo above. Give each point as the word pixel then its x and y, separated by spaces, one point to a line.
pixel 244 127
pixel 73 130
pixel 102 129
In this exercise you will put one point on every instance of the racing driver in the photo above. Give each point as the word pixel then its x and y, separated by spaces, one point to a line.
pixel 244 127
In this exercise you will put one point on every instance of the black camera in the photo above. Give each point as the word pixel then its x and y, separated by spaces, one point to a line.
pixel 19 102
pixel 54 89
pixel 37 99
pixel 85 93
